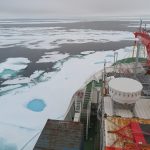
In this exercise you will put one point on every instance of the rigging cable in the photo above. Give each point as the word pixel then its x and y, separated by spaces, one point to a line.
pixel 24 146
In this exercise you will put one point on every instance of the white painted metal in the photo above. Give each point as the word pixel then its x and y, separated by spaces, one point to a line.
pixel 142 109
pixel 125 90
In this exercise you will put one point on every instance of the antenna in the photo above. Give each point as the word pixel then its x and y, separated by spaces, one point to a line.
pixel 115 60
pixel 104 79
pixel 141 22
pixel 137 58
pixel 145 27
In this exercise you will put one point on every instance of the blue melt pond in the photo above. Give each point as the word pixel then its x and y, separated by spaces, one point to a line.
pixel 36 105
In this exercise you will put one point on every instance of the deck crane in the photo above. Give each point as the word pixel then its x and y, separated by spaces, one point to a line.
pixel 144 37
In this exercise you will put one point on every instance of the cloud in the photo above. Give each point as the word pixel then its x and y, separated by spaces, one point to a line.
pixel 73 7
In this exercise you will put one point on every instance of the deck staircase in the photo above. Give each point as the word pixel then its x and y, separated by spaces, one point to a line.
pixel 87 98
pixel 97 84
pixel 87 95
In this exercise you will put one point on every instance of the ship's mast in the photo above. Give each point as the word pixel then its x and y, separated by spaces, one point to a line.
pixel 115 60
pixel 144 38
pixel 137 58
pixel 104 79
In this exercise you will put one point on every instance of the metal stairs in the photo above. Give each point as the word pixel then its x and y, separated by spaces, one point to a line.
pixel 87 98
pixel 87 95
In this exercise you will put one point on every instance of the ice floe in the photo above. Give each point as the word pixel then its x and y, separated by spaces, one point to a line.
pixel 54 37
pixel 37 21
pixel 21 80
pixel 137 25
pixel 7 73
pixel 23 83
pixel 12 66
pixel 4 145
pixel 36 74
pixel 10 87
pixel 51 57
pixel 87 52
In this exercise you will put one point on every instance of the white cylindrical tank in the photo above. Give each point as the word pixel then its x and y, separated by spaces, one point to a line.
pixel 125 90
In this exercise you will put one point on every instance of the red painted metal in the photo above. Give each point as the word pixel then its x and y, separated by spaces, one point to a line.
pixel 113 148
pixel 130 146
pixel 80 94
pixel 137 133
pixel 122 134
pixel 144 37
pixel 131 132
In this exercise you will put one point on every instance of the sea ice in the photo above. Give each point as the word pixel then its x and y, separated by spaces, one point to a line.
pixel 12 66
pixel 4 145
pixel 87 52
pixel 37 21
pixel 136 25
pixel 54 37
pixel 52 57
pixel 10 87
pixel 7 73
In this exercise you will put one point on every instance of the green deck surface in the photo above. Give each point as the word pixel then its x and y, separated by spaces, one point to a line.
pixel 98 84
pixel 130 60
pixel 92 143
pixel 93 137
pixel 87 95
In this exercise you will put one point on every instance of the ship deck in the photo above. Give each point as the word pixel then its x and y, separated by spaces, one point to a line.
pixel 124 133
pixel 92 143
pixel 142 109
